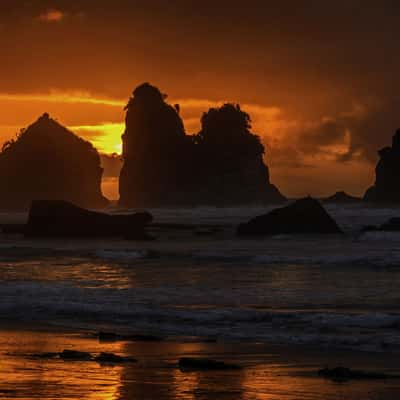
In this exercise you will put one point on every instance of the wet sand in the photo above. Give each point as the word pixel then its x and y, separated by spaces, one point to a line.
pixel 269 372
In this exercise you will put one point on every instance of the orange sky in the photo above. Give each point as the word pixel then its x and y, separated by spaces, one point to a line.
pixel 318 79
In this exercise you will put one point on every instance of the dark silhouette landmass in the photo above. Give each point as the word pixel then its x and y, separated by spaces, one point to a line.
pixel 342 198
pixel 387 188
pixel 49 218
pixel 303 216
pixel 47 161
pixel 223 164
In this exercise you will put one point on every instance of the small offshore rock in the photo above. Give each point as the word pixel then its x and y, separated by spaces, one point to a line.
pixel 112 358
pixel 346 374
pixel 74 355
pixel 205 364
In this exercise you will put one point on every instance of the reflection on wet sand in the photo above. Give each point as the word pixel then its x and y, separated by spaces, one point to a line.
pixel 268 375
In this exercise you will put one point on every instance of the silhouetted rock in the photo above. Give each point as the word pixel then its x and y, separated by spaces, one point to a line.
pixel 74 355
pixel 111 358
pixel 156 151
pixel 62 219
pixel 387 188
pixel 204 364
pixel 346 374
pixel 342 198
pixel 303 216
pixel 230 160
pixel 47 161
pixel 221 165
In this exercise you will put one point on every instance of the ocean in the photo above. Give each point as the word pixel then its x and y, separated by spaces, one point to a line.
pixel 334 291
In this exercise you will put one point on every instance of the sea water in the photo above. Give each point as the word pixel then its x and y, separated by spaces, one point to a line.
pixel 337 291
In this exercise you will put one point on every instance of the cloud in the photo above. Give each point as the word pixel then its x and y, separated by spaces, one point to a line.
pixel 51 15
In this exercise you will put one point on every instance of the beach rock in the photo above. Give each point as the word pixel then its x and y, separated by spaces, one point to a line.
pixel 386 188
pixel 74 355
pixel 346 374
pixel 221 165
pixel 342 198
pixel 111 358
pixel 303 216
pixel 204 364
pixel 47 355
pixel 63 219
pixel 47 161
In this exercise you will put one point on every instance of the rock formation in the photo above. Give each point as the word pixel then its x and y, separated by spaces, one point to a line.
pixel 221 165
pixel 303 216
pixel 231 160
pixel 55 218
pixel 47 161
pixel 155 151
pixel 387 187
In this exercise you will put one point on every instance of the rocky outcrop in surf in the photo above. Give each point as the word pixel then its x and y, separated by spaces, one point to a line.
pixel 386 188
pixel 47 161
pixel 62 219
pixel 305 216
pixel 221 165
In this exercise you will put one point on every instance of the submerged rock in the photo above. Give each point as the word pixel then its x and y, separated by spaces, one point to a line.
pixel 303 216
pixel 386 188
pixel 205 364
pixel 63 219
pixel 221 165
pixel 342 198
pixel 346 374
pixel 47 161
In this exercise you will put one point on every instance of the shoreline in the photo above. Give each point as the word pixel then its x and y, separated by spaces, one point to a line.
pixel 268 371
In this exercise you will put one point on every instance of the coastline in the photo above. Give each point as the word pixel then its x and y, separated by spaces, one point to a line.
pixel 268 371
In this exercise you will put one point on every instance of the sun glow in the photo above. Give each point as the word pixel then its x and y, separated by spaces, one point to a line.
pixel 106 137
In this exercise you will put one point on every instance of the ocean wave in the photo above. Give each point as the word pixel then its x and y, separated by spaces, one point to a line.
pixel 124 310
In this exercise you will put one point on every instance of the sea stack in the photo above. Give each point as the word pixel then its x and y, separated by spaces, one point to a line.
pixel 221 165
pixel 48 162
pixel 154 150
pixel 387 188
pixel 230 160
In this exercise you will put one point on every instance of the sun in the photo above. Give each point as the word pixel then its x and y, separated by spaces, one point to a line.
pixel 106 137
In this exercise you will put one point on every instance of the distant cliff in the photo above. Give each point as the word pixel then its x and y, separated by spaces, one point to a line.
pixel 48 162
pixel 387 188
pixel 221 165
